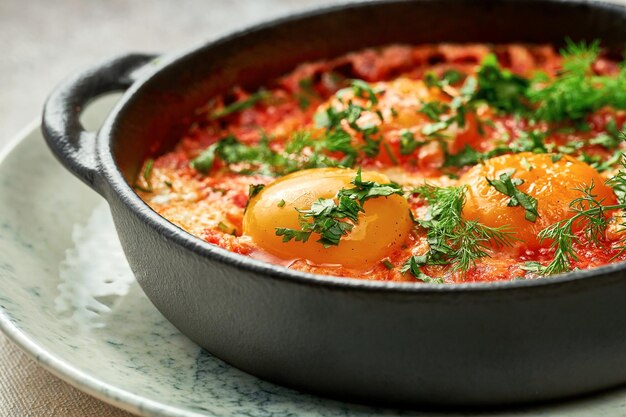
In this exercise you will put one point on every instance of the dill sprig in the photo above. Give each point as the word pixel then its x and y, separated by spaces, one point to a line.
pixel 577 90
pixel 452 239
pixel 590 216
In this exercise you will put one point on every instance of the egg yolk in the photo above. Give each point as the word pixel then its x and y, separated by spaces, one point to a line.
pixel 382 227
pixel 553 183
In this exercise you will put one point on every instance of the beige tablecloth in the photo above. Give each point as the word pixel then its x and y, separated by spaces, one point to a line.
pixel 27 390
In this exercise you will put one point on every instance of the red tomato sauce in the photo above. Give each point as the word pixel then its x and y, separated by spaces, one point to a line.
pixel 211 204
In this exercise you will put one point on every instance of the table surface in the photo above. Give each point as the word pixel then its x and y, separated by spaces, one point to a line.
pixel 42 42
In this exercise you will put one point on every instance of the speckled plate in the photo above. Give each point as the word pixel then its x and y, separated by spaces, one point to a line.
pixel 68 298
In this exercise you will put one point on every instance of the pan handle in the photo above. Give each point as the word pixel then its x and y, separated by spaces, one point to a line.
pixel 71 143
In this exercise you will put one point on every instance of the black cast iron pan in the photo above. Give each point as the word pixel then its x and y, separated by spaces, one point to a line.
pixel 393 343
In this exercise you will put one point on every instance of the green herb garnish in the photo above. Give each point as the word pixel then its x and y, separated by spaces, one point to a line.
pixel 226 229
pixel 611 139
pixel 574 93
pixel 500 88
pixel 508 186
pixel 452 239
pixel 408 144
pixel 332 220
pixel 238 106
pixel 467 156
pixel 262 159
pixel 390 154
pixel 306 93
pixel 413 265
pixel 364 90
pixel 530 141
pixel 253 190
pixel 147 171
pixel 387 264
pixel 434 110
pixel 590 213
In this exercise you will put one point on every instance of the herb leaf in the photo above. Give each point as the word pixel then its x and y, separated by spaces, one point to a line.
pixel 508 186
pixel 364 90
pixel 264 160
pixel 413 265
pixel 588 212
pixel 452 239
pixel 576 91
pixel 238 106
pixel 333 220
pixel 408 144
pixel 434 110
pixel 253 190
pixel 500 88
pixel 146 175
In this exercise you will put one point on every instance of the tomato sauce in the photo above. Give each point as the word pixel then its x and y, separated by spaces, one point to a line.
pixel 211 204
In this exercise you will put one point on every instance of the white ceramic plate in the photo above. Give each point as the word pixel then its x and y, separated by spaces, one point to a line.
pixel 68 298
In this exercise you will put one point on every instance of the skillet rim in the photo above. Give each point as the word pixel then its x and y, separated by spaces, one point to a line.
pixel 115 182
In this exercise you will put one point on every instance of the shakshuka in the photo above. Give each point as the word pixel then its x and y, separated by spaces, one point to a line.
pixel 443 163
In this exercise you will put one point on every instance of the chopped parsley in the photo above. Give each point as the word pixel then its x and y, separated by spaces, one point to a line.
pixel 147 171
pixel 434 110
pixel 530 141
pixel 364 90
pixel 387 263
pixel 331 219
pixel 449 77
pixel 231 151
pixel 611 139
pixel 556 157
pixel 226 229
pixel 238 106
pixel 507 185
pixel 371 147
pixel 413 265
pixel 466 156
pixel 306 94
pixel 434 128
pixel 262 159
pixel 408 144
pixel 253 190
pixel 500 88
